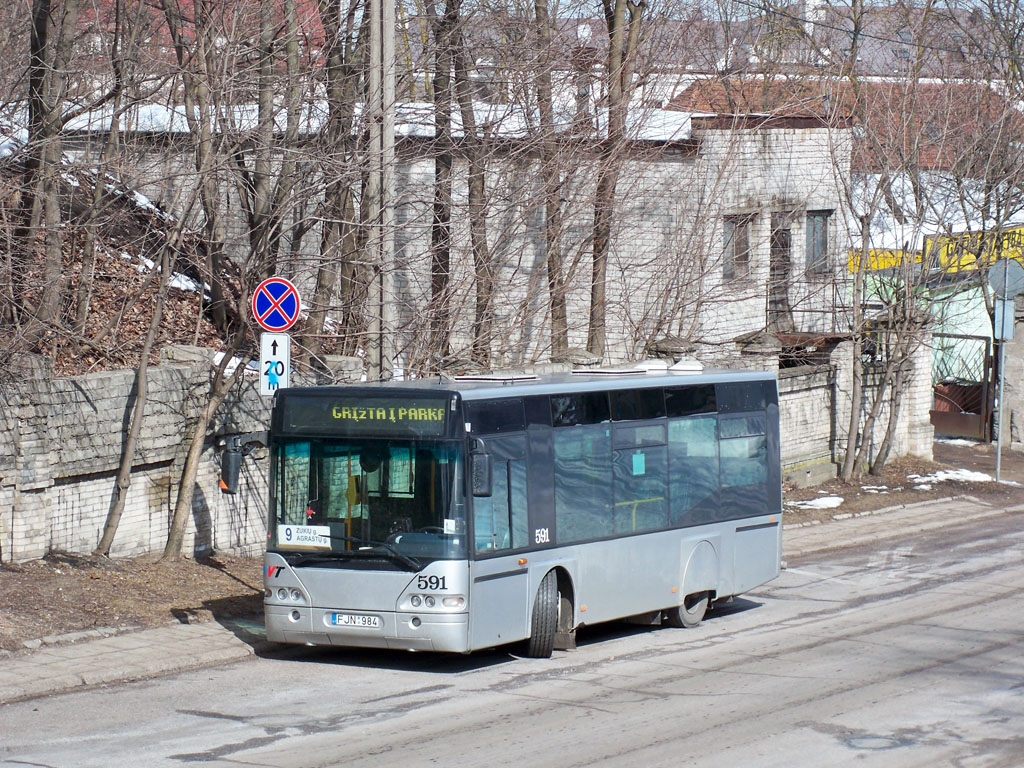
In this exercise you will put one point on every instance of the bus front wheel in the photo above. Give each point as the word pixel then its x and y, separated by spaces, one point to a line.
pixel 544 622
pixel 690 613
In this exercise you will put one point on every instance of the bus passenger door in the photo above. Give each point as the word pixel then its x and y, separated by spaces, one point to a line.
pixel 499 597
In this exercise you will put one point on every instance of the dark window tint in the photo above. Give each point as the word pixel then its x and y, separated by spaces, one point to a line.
pixel 581 408
pixel 740 396
pixel 491 417
pixel 684 401
pixel 637 404
pixel 538 410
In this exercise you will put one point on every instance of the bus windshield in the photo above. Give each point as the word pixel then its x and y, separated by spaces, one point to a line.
pixel 347 501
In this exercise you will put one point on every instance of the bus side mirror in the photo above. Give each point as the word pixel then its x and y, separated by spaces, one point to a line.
pixel 481 468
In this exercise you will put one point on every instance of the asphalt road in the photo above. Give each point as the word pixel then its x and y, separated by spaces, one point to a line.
pixel 910 655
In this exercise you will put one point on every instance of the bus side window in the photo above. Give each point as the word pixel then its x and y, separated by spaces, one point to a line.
pixel 517 503
pixel 583 471
pixel 693 469
pixel 744 449
pixel 490 514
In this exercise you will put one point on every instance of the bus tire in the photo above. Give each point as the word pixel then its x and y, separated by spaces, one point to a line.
pixel 690 613
pixel 544 621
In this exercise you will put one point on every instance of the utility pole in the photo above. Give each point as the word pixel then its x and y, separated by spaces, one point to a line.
pixel 380 111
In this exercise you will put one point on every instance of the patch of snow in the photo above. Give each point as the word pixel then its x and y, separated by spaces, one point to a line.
pixel 945 475
pixel 956 441
pixel 183 283
pixel 250 370
pixel 825 502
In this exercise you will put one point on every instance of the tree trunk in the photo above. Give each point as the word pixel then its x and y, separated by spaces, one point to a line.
pixel 552 189
pixel 47 80
pixel 336 270
pixel 124 472
pixel 190 471
pixel 483 266
pixel 441 225
pixel 897 389
pixel 623 25
pixel 857 385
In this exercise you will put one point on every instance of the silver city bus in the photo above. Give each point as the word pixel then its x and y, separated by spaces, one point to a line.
pixel 459 515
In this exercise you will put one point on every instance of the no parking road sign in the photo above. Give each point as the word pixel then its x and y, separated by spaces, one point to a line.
pixel 275 304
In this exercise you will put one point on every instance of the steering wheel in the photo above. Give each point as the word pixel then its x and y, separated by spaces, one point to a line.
pixel 431 529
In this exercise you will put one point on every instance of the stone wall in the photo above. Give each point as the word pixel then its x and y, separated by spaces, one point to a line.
pixel 60 446
pixel 814 410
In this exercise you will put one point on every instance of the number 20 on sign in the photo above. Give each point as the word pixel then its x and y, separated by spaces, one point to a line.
pixel 275 362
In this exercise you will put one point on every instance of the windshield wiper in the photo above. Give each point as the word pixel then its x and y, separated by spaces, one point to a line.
pixel 406 560
pixel 320 557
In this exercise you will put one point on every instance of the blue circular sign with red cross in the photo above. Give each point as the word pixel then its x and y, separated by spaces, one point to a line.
pixel 275 304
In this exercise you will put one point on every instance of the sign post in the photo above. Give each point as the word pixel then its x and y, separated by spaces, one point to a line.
pixel 275 305
pixel 1006 279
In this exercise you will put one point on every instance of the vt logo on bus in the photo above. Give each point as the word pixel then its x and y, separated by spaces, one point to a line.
pixel 273 571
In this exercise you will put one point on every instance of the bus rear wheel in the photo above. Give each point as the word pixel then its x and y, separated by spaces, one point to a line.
pixel 544 621
pixel 690 613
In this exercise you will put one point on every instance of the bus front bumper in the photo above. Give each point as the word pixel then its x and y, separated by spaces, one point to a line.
pixel 381 629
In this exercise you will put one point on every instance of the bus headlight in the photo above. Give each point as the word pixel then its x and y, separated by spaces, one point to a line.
pixel 282 594
pixel 434 602
pixel 296 595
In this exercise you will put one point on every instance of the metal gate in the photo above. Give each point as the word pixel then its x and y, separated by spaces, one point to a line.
pixel 964 394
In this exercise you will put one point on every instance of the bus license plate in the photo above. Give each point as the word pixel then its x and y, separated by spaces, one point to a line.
pixel 351 620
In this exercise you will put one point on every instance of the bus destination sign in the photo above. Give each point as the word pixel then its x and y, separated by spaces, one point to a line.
pixel 370 416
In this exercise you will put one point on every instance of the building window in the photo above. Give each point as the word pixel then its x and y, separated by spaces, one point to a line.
pixel 817 241
pixel 736 229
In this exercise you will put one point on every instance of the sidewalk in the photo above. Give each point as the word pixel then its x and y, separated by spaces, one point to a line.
pixel 180 647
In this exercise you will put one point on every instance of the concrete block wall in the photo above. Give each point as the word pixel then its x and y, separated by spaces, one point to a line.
pixel 814 411
pixel 60 446
pixel 806 424
pixel 914 432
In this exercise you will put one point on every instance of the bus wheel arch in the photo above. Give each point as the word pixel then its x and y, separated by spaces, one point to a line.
pixel 565 630
pixel 700 581
pixel 691 612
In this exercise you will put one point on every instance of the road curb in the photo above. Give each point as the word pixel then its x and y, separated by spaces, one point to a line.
pixel 124 658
